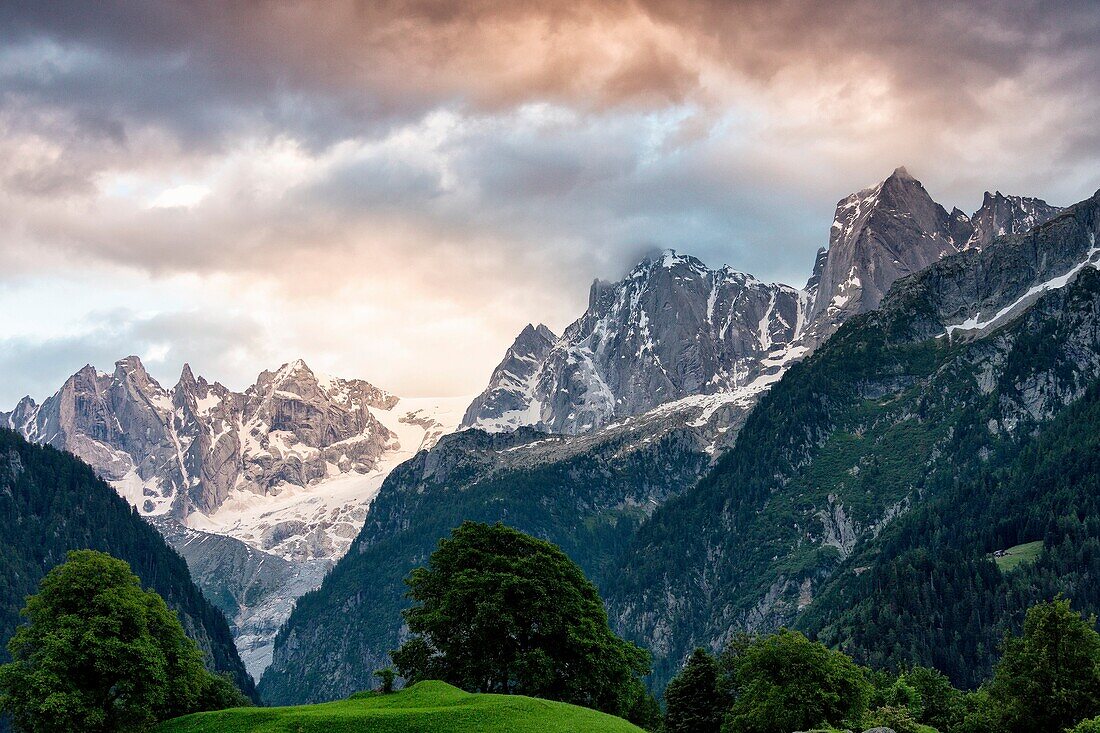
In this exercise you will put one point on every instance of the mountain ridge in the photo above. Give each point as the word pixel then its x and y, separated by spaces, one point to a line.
pixel 606 366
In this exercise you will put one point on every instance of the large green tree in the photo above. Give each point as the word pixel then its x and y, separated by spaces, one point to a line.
pixel 694 700
pixel 496 610
pixel 100 655
pixel 941 705
pixel 785 682
pixel 1049 677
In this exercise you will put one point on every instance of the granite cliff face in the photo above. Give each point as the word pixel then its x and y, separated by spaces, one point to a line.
pixel 201 453
pixel 878 235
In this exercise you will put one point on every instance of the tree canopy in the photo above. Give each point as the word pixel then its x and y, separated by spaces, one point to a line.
pixel 693 699
pixel 496 610
pixel 785 682
pixel 100 654
pixel 1049 677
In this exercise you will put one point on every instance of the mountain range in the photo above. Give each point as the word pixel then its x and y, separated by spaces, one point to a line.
pixel 674 329
pixel 611 439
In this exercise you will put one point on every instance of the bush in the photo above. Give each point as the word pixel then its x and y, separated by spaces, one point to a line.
pixel 898 719
pixel 1087 726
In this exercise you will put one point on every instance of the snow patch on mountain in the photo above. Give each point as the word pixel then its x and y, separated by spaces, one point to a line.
pixel 321 519
pixel 976 324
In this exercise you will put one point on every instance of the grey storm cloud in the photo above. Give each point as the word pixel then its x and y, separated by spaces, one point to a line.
pixel 333 69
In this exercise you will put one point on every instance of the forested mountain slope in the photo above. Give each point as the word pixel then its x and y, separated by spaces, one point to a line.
pixel 51 503
pixel 590 502
pixel 962 364
pixel 928 589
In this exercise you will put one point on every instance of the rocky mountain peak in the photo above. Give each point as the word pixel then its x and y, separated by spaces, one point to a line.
pixel 187 377
pixel 19 415
pixel 1001 214
pixel 902 174
pixel 532 339
pixel 669 329
pixel 878 235
pixel 131 368
pixel 505 404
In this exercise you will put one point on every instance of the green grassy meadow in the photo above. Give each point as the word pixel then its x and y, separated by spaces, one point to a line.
pixel 427 707
pixel 1016 556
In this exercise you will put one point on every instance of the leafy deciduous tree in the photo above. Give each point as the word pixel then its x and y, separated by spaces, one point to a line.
pixel 1049 677
pixel 785 682
pixel 497 610
pixel 102 655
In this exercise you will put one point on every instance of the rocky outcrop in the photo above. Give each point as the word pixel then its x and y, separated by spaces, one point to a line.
pixel 1000 215
pixel 984 288
pixel 186 449
pixel 506 402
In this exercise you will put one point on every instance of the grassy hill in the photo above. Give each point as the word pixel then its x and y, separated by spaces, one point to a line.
pixel 426 707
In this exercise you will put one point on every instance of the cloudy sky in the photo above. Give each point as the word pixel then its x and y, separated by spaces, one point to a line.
pixel 391 190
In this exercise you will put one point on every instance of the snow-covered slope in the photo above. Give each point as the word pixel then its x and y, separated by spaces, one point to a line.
pixel 320 519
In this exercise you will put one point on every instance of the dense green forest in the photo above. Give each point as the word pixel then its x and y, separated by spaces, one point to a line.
pixel 52 503
pixel 929 592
